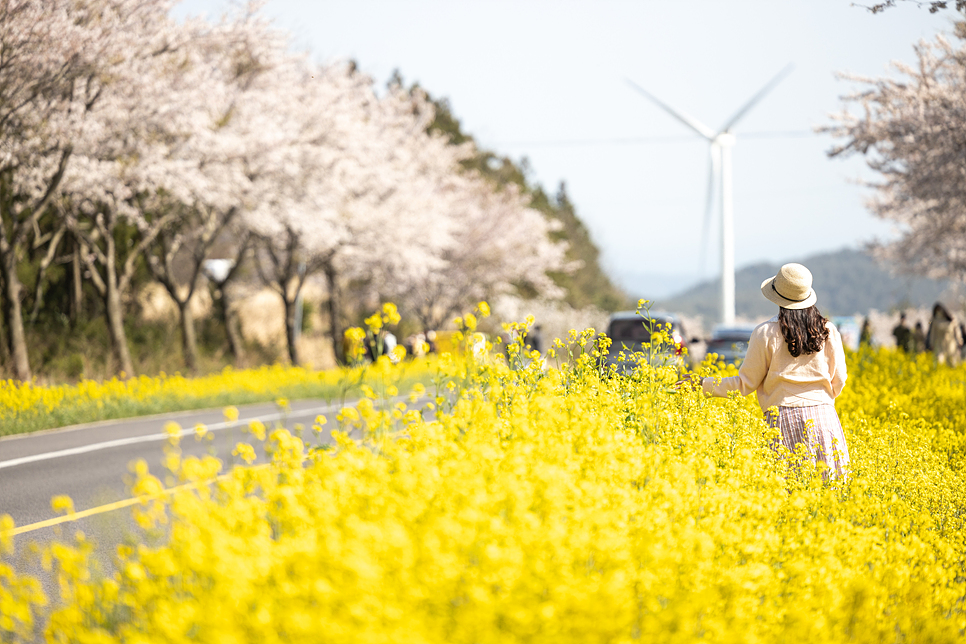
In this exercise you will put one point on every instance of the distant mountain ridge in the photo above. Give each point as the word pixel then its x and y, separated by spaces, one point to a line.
pixel 848 282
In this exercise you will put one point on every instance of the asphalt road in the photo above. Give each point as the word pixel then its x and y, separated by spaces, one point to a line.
pixel 90 463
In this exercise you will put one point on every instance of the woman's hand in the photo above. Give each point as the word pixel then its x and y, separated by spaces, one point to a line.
pixel 690 378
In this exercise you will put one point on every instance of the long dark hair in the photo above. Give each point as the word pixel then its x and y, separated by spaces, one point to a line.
pixel 804 330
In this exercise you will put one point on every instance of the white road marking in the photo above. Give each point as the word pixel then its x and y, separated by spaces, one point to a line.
pixel 149 438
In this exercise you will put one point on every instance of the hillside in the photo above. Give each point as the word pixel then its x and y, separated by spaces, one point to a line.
pixel 848 282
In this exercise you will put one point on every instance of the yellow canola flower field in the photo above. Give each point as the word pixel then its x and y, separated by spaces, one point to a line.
pixel 25 406
pixel 546 500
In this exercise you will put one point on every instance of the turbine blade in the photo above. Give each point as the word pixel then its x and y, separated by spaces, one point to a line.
pixel 713 169
pixel 757 97
pixel 694 124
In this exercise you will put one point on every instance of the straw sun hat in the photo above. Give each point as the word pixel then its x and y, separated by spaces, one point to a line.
pixel 791 288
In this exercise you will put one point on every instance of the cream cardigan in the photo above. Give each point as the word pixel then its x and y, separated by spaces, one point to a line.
pixel 781 380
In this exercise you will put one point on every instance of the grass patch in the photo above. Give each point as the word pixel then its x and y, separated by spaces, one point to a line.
pixel 27 407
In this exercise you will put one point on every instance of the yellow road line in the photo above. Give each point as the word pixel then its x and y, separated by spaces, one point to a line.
pixel 117 505
pixel 73 516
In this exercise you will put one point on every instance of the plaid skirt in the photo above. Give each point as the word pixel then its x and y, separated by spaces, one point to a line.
pixel 817 427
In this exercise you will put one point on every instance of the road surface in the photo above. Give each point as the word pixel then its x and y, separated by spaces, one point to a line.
pixel 90 463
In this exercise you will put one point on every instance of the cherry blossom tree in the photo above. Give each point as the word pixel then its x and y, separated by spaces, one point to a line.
pixel 291 215
pixel 132 165
pixel 415 188
pixel 170 155
pixel 393 207
pixel 499 247
pixel 912 132
pixel 149 142
pixel 362 190
pixel 245 63
pixel 58 58
pixel 934 5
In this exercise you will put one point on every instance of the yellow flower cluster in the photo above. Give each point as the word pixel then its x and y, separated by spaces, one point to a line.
pixel 357 339
pixel 535 503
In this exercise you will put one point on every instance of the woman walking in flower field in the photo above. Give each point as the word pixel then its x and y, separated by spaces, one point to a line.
pixel 796 365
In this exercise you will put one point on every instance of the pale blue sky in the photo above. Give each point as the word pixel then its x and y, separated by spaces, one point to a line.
pixel 545 79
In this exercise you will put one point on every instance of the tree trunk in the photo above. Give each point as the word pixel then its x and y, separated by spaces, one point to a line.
pixel 189 342
pixel 49 258
pixel 77 285
pixel 115 316
pixel 335 314
pixel 4 345
pixel 230 320
pixel 16 340
pixel 233 330
pixel 292 340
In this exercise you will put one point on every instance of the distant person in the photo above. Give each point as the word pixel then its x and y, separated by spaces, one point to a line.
pixel 533 338
pixel 389 343
pixel 380 344
pixel 903 335
pixel 919 338
pixel 944 338
pixel 370 349
pixel 416 345
pixel 865 335
pixel 796 365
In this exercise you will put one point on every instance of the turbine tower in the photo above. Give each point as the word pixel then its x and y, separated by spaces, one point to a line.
pixel 720 170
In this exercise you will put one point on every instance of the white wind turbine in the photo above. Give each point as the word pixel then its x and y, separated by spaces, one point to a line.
pixel 720 168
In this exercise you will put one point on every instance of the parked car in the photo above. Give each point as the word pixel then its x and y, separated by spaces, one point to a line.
pixel 629 331
pixel 730 343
